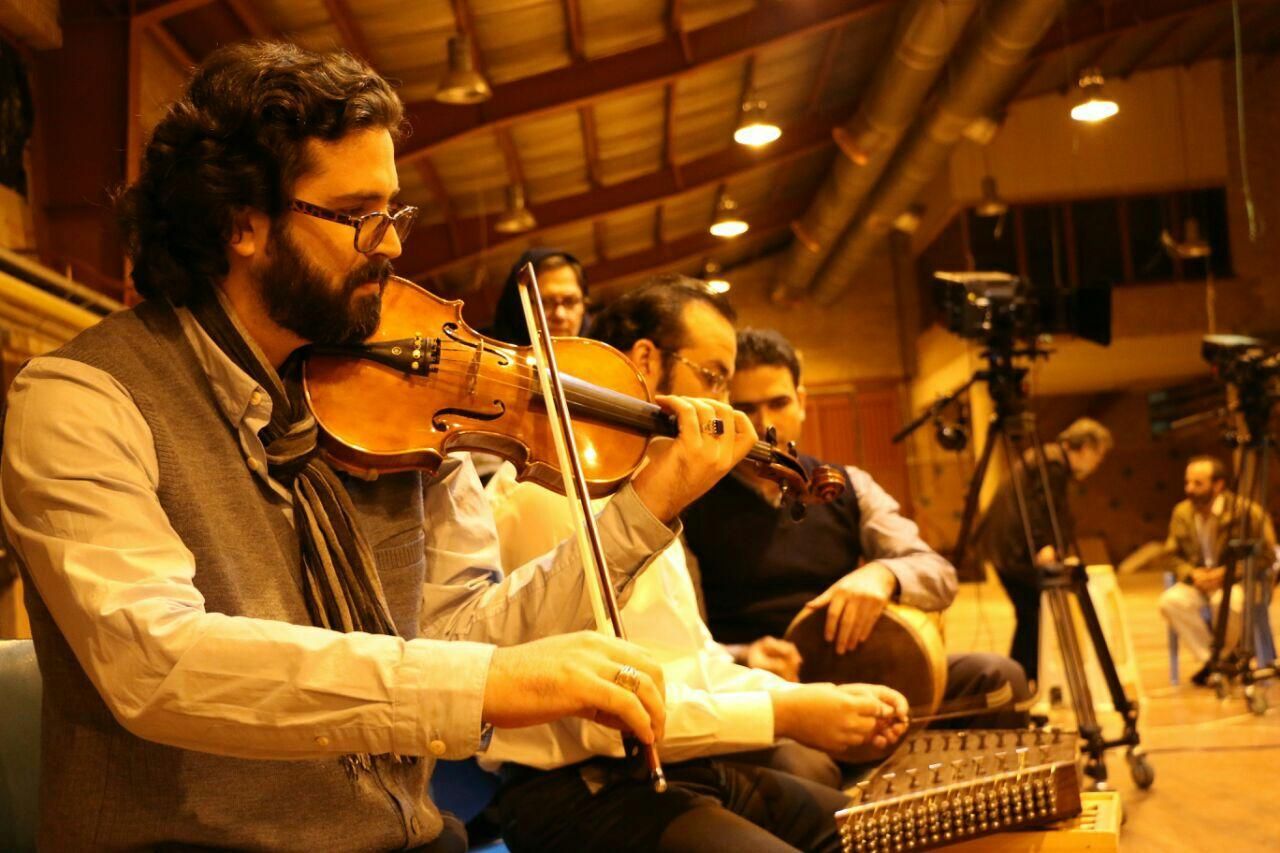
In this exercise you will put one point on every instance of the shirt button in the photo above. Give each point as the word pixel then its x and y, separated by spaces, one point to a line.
pixel 255 399
pixel 437 747
pixel 415 825
pixel 254 464
pixel 322 741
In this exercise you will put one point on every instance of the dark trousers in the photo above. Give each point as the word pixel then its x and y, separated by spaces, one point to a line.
pixel 1024 593
pixel 968 676
pixel 709 805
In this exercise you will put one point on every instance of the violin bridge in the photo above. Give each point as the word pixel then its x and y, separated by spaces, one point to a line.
pixel 473 370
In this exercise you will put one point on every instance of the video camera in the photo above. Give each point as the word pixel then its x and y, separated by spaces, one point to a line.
pixel 1241 360
pixel 1000 309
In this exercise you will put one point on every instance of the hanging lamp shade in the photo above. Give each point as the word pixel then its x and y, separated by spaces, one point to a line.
pixel 728 222
pixel 991 203
pixel 462 84
pixel 516 219
pixel 754 128
pixel 1093 105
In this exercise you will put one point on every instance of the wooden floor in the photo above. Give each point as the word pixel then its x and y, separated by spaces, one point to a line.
pixel 1217 765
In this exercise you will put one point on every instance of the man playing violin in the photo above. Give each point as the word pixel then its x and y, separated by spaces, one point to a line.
pixel 848 559
pixel 680 337
pixel 237 645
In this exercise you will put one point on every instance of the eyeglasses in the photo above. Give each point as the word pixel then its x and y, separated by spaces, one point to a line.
pixel 568 303
pixel 370 228
pixel 714 380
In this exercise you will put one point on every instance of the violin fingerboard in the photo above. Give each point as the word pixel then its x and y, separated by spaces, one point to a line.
pixel 943 787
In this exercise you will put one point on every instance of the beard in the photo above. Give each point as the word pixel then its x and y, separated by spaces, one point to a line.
pixel 300 297
pixel 1201 502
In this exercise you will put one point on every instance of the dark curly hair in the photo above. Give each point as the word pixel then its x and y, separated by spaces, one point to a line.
pixel 767 348
pixel 655 310
pixel 236 140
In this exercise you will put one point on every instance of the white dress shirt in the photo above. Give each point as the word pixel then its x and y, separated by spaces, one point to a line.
pixel 713 705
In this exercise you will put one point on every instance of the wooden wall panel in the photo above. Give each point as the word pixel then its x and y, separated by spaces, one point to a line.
pixel 854 426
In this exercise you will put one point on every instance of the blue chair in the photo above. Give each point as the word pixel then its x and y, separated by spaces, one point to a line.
pixel 19 744
pixel 464 790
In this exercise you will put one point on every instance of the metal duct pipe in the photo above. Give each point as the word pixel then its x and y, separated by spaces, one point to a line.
pixel 38 275
pixel 927 33
pixel 986 70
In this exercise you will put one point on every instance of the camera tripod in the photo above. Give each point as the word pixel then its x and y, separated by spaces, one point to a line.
pixel 1013 427
pixel 1254 659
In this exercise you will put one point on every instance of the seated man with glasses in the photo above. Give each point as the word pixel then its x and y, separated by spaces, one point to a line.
pixel 242 648
pixel 680 336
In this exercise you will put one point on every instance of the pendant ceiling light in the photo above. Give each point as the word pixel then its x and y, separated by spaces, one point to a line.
pixel 1093 106
pixel 716 282
pixel 991 203
pixel 728 222
pixel 516 219
pixel 754 128
pixel 462 84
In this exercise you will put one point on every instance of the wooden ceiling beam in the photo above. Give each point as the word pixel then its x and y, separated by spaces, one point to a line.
pixel 657 224
pixel 824 70
pixel 164 11
pixel 669 128
pixel 515 171
pixel 590 143
pixel 250 16
pixel 573 30
pixel 180 55
pixel 764 225
pixel 438 124
pixel 1152 47
pixel 1088 21
pixel 348 29
pixel 675 28
pixel 431 249
pixel 599 232
pixel 432 179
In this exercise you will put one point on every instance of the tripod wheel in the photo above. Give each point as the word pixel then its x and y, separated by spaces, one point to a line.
pixel 1221 688
pixel 1144 775
pixel 1256 695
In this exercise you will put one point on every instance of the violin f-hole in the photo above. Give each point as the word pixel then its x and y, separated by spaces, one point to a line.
pixel 440 425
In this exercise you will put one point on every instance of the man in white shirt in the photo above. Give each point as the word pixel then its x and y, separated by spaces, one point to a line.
pixel 681 338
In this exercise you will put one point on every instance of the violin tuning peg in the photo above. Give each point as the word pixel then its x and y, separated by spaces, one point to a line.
pixel 791 448
pixel 771 435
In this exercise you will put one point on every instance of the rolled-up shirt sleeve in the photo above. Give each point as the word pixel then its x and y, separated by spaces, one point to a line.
pixel 80 506
pixel 926 579
pixel 469 596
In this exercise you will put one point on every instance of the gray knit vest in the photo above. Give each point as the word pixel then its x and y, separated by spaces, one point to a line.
pixel 103 788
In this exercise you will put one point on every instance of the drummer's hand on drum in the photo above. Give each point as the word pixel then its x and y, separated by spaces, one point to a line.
pixel 781 657
pixel 713 439
pixel 854 603
pixel 832 718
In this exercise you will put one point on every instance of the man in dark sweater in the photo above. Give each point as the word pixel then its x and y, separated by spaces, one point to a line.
pixel 1001 540
pixel 849 558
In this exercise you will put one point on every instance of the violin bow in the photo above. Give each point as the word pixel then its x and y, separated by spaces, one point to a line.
pixel 599 588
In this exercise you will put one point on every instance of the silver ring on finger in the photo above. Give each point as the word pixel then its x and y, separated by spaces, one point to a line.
pixel 628 678
pixel 715 427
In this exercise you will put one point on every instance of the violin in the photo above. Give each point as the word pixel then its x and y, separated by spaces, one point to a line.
pixel 426 384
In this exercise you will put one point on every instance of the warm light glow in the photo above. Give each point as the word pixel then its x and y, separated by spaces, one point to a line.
pixel 589 454
pixel 718 285
pixel 729 227
pixel 1093 106
pixel 1094 110
pixel 757 134
pixel 754 128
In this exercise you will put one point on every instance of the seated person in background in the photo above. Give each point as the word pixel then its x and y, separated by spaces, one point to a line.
pixel 850 557
pixel 680 336
pixel 1001 540
pixel 1199 530
pixel 563 286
